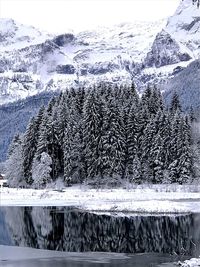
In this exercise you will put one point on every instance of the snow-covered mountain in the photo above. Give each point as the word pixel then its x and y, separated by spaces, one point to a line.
pixel 184 26
pixel 14 35
pixel 64 60
pixel 32 61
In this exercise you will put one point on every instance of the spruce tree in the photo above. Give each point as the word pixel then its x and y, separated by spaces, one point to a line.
pixel 92 126
pixel 29 149
pixel 73 167
pixel 14 164
pixel 15 142
pixel 180 168
pixel 185 160
pixel 132 132
pixel 175 104
pixel 42 144
pixel 157 159
pixel 114 140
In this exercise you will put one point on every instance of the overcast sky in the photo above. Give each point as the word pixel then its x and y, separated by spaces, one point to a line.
pixel 62 15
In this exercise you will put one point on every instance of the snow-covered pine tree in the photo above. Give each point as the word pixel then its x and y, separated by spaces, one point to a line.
pixel 14 164
pixel 136 176
pixel 29 149
pixel 79 104
pixel 127 99
pixel 47 140
pixel 157 158
pixel 73 167
pixel 175 104
pixel 132 131
pixel 180 167
pixel 146 96
pixel 41 170
pixel 42 144
pixel 92 125
pixel 29 145
pixel 192 116
pixel 60 124
pixel 152 100
pixel 52 144
pixel 195 132
pixel 149 146
pixel 156 101
pixel 114 140
pixel 79 100
pixel 185 160
pixel 165 133
pixel 175 142
pixel 51 105
pixel 15 142
pixel 146 145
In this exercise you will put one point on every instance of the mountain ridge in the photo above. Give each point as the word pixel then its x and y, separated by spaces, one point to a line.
pixel 32 61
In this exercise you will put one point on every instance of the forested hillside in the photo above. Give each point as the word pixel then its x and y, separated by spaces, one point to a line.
pixel 15 117
pixel 105 135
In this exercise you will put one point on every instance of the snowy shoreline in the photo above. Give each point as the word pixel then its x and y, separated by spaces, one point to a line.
pixel 140 199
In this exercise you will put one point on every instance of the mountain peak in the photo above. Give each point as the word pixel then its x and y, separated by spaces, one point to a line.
pixel 14 35
pixel 7 26
pixel 184 14
pixel 184 25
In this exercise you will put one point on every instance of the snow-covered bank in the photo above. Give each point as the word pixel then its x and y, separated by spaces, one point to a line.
pixel 190 263
pixel 152 199
pixel 11 253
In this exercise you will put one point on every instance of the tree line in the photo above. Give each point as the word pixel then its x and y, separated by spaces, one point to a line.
pixel 104 135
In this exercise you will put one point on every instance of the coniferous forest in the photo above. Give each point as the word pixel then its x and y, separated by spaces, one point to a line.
pixel 104 135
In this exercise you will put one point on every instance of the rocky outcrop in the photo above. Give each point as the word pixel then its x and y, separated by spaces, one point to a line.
pixel 165 51
pixel 63 39
pixel 65 69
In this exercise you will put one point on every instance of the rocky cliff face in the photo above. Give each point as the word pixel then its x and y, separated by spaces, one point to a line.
pixel 165 51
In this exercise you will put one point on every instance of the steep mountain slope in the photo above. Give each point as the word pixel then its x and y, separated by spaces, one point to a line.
pixel 14 35
pixel 187 85
pixel 184 26
pixel 65 60
pixel 15 117
pixel 176 46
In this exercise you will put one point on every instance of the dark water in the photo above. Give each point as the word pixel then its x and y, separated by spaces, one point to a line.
pixel 150 240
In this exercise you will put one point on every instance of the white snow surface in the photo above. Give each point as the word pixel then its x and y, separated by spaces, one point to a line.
pixel 184 26
pixel 138 199
pixel 11 253
pixel 16 35
pixel 194 262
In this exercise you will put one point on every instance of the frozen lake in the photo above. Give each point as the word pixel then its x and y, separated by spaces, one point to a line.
pixel 27 257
